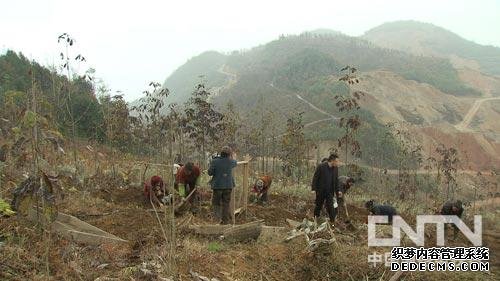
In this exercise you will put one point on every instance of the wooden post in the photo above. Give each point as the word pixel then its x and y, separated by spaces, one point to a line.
pixel 244 191
pixel 246 172
pixel 233 205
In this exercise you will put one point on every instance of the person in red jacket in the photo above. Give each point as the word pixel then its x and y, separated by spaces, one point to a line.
pixel 188 176
pixel 154 191
pixel 261 187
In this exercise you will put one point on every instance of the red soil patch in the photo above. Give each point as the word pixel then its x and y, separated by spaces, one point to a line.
pixel 466 143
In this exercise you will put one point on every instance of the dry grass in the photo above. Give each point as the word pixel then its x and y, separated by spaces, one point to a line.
pixel 115 205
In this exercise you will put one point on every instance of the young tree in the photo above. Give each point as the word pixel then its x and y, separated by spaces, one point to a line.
pixel 79 106
pixel 349 105
pixel 447 166
pixel 231 124
pixel 117 121
pixel 202 122
pixel 293 145
pixel 150 113
pixel 409 158
pixel 350 122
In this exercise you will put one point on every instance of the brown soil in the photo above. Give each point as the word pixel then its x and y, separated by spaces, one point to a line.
pixel 473 154
pixel 122 212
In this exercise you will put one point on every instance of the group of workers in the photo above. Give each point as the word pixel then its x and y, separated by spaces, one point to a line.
pixel 330 190
pixel 328 186
pixel 222 183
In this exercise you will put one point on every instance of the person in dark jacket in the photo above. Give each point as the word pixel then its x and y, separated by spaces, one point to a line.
pixel 222 183
pixel 381 210
pixel 325 183
pixel 453 208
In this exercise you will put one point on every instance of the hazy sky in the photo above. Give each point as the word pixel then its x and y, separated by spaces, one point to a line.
pixel 130 43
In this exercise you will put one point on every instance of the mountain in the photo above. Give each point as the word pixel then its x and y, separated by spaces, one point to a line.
pixel 430 40
pixel 203 67
pixel 325 31
pixel 300 73
pixel 269 62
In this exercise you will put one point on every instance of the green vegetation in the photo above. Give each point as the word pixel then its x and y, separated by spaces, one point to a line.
pixel 409 116
pixel 5 209
pixel 181 83
pixel 214 247
pixel 19 76
pixel 324 52
pixel 303 66
pixel 374 138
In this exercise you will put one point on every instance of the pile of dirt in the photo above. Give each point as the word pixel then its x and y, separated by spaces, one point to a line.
pixel 279 208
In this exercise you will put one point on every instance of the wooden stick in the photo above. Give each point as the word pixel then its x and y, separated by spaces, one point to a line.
pixel 345 208
pixel 245 185
pixel 146 166
pixel 99 215
pixel 396 276
pixel 233 205
pixel 178 208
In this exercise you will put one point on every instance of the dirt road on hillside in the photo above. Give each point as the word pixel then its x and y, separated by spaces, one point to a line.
pixel 462 126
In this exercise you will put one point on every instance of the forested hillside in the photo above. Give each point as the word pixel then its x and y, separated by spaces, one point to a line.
pixel 203 67
pixel 61 99
pixel 266 80
pixel 313 54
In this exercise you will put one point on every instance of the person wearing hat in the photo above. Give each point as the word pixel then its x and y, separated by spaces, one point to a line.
pixel 154 191
pixel 222 183
pixel 261 187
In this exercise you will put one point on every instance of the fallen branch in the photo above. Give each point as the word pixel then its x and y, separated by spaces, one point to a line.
pixel 294 235
pixel 99 215
pixel 239 233
pixel 306 228
pixel 209 230
pixel 319 243
pixel 72 228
